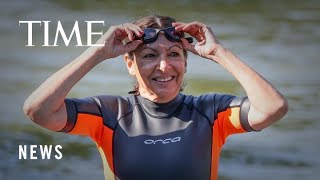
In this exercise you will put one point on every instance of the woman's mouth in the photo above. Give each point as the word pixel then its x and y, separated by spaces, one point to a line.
pixel 163 79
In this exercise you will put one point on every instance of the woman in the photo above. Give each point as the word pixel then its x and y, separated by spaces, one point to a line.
pixel 157 133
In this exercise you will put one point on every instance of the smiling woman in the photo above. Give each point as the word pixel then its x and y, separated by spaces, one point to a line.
pixel 159 69
pixel 157 133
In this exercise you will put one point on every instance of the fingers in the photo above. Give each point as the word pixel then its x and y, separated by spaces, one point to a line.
pixel 179 25
pixel 137 30
pixel 188 46
pixel 132 45
pixel 114 39
pixel 190 28
pixel 127 30
pixel 194 25
pixel 195 29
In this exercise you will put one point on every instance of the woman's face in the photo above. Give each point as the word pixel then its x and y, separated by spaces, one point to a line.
pixel 159 68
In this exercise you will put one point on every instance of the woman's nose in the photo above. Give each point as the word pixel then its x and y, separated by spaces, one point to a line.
pixel 164 65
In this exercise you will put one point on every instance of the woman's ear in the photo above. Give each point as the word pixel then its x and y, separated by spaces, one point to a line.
pixel 130 64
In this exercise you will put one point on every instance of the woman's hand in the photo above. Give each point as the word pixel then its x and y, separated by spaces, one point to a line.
pixel 113 41
pixel 207 45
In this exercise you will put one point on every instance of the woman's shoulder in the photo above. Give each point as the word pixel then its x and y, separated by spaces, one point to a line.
pixel 208 97
pixel 108 103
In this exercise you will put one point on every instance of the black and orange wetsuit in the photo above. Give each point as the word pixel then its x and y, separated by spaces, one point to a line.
pixel 140 139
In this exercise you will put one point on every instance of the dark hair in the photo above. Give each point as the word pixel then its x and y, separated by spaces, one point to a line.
pixel 158 22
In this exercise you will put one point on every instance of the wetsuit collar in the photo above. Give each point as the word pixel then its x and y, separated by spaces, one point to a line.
pixel 161 109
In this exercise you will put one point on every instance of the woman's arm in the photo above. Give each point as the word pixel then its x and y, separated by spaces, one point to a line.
pixel 267 104
pixel 45 106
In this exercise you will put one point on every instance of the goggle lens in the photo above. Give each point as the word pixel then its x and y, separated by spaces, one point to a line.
pixel 150 35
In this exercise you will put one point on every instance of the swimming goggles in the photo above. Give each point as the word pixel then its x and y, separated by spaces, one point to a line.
pixel 150 35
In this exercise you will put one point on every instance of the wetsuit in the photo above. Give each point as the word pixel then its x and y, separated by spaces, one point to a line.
pixel 140 139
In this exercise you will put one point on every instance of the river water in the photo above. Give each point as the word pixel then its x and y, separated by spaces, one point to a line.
pixel 279 39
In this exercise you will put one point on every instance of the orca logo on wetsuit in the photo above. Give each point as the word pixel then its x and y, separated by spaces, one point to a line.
pixel 166 141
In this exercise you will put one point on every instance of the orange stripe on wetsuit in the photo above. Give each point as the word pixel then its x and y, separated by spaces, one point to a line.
pixel 92 126
pixel 227 123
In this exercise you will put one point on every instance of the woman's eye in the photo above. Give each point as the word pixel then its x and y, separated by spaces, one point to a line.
pixel 174 54
pixel 149 55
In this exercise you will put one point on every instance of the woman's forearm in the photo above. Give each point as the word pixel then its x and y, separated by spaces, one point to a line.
pixel 49 96
pixel 267 104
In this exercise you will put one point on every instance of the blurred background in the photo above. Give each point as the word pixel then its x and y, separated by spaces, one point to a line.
pixel 279 39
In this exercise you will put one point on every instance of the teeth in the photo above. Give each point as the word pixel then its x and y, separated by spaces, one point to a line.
pixel 164 79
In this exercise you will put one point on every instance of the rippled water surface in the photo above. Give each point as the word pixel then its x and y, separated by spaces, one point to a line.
pixel 279 39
